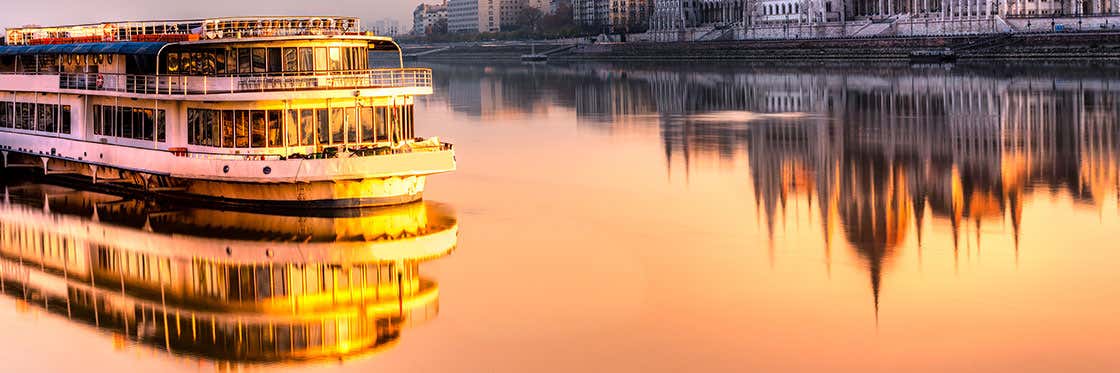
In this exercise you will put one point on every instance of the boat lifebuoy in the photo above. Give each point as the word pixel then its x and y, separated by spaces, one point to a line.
pixel 100 81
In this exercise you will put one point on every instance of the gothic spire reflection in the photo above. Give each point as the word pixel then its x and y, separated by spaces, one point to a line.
pixel 231 288
pixel 881 151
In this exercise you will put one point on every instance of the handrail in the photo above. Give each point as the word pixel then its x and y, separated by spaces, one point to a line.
pixel 245 83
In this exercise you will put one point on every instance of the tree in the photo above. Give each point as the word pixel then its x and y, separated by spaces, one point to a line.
pixel 530 19
pixel 561 20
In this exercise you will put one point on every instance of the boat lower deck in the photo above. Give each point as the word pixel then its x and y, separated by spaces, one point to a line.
pixel 344 181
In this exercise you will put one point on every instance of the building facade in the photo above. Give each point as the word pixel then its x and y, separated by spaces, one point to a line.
pixel 463 16
pixel 613 15
pixel 427 16
pixel 898 17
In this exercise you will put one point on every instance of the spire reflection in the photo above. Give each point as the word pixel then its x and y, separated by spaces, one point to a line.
pixel 882 151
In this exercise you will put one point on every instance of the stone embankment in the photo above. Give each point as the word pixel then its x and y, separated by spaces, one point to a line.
pixel 1054 46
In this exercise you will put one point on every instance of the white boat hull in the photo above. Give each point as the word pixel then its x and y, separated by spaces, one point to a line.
pixel 343 181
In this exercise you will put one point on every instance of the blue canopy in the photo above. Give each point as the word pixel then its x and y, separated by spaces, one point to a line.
pixel 127 48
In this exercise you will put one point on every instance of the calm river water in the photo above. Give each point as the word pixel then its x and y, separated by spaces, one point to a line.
pixel 631 217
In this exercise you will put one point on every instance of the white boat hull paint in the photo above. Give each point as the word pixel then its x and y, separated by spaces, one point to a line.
pixel 344 181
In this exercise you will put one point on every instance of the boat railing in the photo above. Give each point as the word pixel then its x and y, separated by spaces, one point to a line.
pixel 247 83
pixel 353 150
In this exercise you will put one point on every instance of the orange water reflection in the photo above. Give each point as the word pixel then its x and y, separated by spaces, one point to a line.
pixel 672 217
pixel 919 218
pixel 230 289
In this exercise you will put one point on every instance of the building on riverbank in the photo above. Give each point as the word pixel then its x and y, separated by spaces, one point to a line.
pixel 699 20
pixel 426 18
pixel 620 16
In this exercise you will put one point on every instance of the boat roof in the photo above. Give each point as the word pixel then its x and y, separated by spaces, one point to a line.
pixel 193 29
pixel 376 43
pixel 126 48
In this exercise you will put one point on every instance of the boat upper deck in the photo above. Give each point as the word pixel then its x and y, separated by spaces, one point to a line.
pixel 248 58
pixel 186 30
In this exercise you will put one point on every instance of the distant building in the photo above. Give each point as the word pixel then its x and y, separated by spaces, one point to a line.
pixel 463 16
pixel 386 27
pixel 801 18
pixel 426 16
pixel 613 15
pixel 489 15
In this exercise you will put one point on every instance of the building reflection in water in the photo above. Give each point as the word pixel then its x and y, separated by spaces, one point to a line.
pixel 228 287
pixel 879 149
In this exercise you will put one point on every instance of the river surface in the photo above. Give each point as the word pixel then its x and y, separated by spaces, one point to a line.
pixel 631 217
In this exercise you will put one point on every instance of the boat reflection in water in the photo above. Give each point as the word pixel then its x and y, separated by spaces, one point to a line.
pixel 229 287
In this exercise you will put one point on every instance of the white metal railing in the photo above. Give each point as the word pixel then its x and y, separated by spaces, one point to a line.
pixel 245 83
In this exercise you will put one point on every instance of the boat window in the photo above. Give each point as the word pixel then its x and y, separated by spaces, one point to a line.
pixel 350 123
pixel 362 57
pixel 307 123
pixel 138 129
pixel 108 118
pixel 258 128
pixel 381 123
pixel 292 127
pixel 290 61
pixel 241 129
pixel 220 62
pixel 244 61
pixel 161 126
pixel 367 124
pixel 337 130
pixel 320 59
pixel 25 119
pixel 227 129
pixel 306 59
pixel 65 119
pixel 209 66
pixel 324 127
pixel 231 61
pixel 275 133
pixel 124 122
pixel 334 59
pixel 274 64
pixel 46 121
pixel 260 64
pixel 6 115
pixel 148 118
pixel 195 133
pixel 212 120
pixel 125 125
pixel 408 128
pixel 172 63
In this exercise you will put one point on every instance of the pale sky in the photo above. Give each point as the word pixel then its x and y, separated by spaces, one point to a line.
pixel 58 12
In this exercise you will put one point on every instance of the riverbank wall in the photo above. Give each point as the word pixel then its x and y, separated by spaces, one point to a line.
pixel 1070 46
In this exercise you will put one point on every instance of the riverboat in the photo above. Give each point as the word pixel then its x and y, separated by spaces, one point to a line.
pixel 276 111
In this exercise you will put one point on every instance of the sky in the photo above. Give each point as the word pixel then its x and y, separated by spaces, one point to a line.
pixel 60 12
